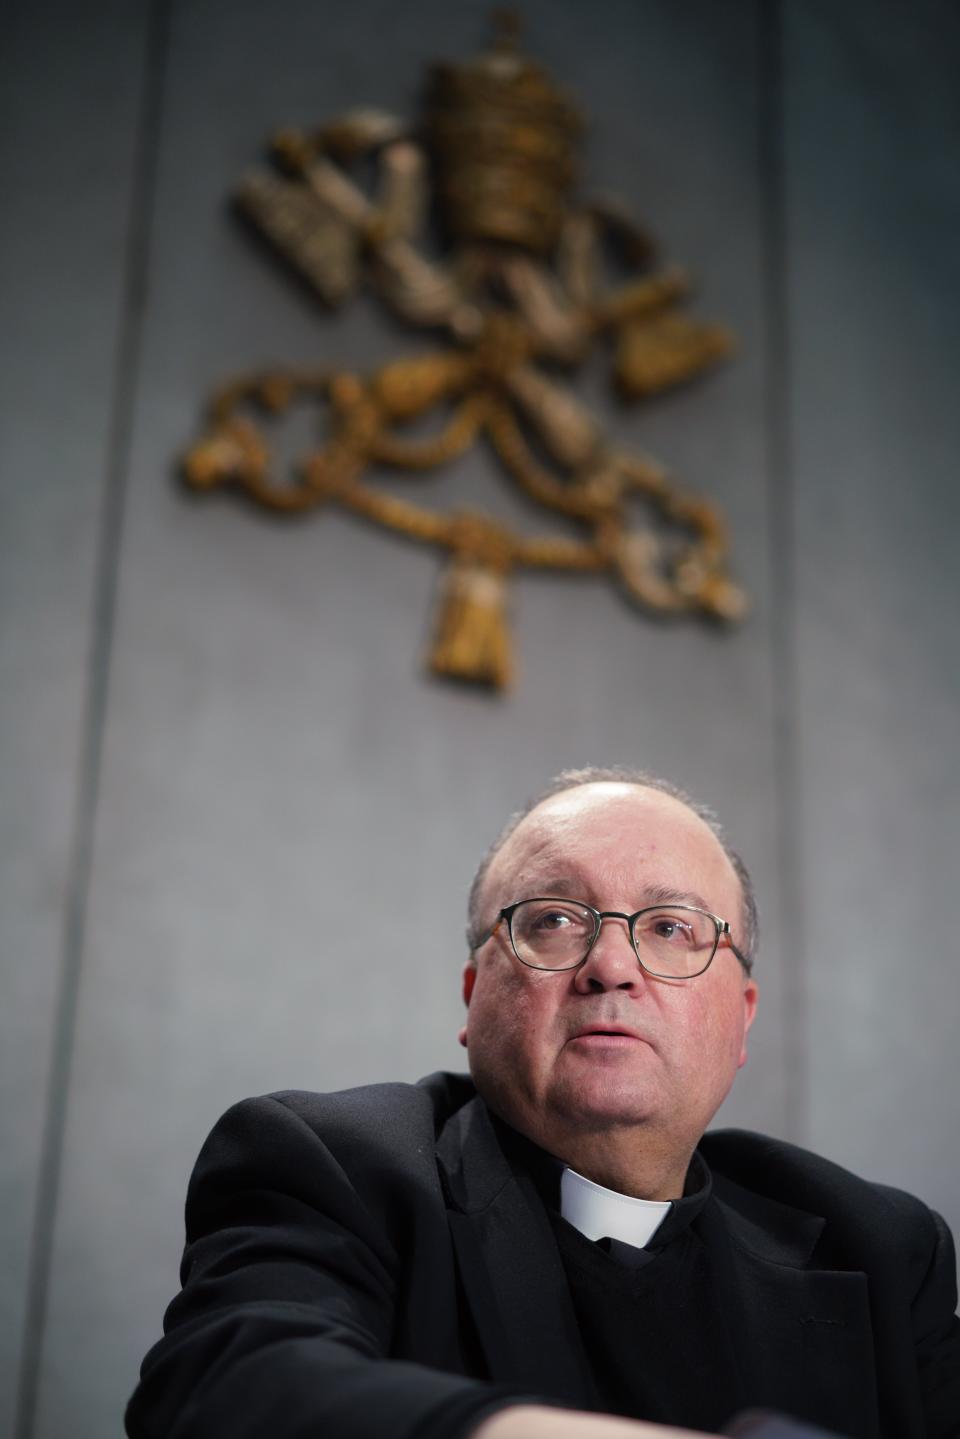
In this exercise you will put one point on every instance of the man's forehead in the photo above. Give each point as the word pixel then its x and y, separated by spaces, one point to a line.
pixel 590 805
pixel 592 813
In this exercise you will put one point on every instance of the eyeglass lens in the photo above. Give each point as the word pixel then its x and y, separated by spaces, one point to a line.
pixel 556 934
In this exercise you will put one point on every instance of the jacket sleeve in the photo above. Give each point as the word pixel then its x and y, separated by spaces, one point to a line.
pixel 285 1319
pixel 937 1337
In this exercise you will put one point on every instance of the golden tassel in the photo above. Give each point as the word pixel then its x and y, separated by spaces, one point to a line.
pixel 472 641
pixel 655 355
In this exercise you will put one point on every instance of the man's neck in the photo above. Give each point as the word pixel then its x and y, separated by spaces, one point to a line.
pixel 643 1165
pixel 648 1178
pixel 639 1160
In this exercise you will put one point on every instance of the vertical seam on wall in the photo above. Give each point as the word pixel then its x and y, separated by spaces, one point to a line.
pixel 124 390
pixel 782 535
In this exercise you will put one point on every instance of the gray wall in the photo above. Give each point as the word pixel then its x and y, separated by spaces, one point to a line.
pixel 220 764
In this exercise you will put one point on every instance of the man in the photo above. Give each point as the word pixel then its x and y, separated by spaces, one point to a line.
pixel 556 1243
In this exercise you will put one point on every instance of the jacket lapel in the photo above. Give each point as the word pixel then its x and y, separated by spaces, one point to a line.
pixel 509 1264
pixel 804 1337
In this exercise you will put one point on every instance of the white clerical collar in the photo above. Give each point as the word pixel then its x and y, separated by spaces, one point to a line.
pixel 603 1213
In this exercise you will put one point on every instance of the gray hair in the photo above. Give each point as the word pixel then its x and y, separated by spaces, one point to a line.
pixel 617 774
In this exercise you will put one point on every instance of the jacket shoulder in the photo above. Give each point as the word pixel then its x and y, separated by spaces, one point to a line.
pixel 789 1173
pixel 375 1129
pixel 370 1150
pixel 383 1115
pixel 859 1212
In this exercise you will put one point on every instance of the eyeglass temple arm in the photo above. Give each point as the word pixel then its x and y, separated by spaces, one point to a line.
pixel 725 932
pixel 479 943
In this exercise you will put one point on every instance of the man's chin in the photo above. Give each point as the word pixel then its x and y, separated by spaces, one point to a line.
pixel 596 1107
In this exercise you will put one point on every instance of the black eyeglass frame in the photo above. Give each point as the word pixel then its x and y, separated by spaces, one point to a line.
pixel 722 927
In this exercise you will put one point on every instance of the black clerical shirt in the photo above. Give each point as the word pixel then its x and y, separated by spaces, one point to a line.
pixel 651 1322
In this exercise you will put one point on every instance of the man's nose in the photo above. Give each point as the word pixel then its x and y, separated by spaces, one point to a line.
pixel 612 962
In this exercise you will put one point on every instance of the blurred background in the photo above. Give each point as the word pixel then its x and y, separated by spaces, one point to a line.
pixel 238 822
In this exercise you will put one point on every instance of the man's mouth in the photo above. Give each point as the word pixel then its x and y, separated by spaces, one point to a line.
pixel 607 1033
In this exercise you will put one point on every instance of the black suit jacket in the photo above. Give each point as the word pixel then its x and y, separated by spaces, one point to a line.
pixel 364 1265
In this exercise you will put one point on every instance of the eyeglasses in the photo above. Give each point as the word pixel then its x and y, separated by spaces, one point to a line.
pixel 671 941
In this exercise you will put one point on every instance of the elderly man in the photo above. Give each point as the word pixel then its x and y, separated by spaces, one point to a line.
pixel 554 1250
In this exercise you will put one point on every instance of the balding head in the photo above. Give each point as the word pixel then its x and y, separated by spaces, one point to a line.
pixel 479 917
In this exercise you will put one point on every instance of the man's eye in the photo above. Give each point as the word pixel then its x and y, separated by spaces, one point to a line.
pixel 674 931
pixel 554 926
pixel 552 920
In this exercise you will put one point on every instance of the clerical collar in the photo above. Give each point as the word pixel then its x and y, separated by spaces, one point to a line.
pixel 553 1179
pixel 602 1213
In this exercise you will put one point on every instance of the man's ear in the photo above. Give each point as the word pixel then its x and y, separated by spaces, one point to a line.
pixel 749 1015
pixel 469 980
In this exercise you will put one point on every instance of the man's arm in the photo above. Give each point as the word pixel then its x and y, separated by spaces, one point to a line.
pixel 937 1335
pixel 285 1319
pixel 532 1422
pixel 529 1421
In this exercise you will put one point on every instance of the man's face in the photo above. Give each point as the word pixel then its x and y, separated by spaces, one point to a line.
pixel 607 1046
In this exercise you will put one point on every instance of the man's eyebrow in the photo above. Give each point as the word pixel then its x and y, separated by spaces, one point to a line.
pixel 565 888
pixel 664 894
pixel 560 885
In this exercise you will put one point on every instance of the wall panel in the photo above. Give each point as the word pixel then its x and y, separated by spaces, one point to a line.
pixel 871 140
pixel 70 93
pixel 277 774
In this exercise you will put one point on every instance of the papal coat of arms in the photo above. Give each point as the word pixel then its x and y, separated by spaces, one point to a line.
pixel 532 274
